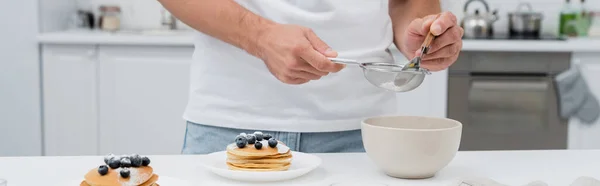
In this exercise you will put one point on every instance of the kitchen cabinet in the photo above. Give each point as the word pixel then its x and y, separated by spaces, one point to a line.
pixel 70 99
pixel 101 99
pixel 586 136
pixel 143 93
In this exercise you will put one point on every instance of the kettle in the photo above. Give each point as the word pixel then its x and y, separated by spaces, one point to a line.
pixel 478 25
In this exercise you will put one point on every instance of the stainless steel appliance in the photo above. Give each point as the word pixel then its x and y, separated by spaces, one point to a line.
pixel 527 23
pixel 478 25
pixel 507 101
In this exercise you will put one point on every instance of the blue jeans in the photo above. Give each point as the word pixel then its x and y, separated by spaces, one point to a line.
pixel 204 139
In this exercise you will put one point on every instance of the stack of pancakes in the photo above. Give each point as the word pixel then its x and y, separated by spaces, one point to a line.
pixel 252 159
pixel 139 176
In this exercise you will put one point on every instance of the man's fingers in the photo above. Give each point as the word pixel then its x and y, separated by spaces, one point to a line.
pixel 426 24
pixel 304 75
pixel 310 69
pixel 451 36
pixel 444 22
pixel 448 51
pixel 320 62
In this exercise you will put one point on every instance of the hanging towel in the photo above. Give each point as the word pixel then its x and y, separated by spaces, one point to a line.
pixel 574 96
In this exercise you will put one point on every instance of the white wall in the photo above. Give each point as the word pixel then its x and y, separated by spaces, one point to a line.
pixel 20 117
pixel 136 14
pixel 145 14
pixel 550 9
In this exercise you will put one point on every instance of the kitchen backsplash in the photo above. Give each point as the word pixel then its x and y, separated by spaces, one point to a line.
pixel 146 14
pixel 136 14
pixel 550 9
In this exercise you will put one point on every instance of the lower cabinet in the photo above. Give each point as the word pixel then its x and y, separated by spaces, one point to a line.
pixel 114 99
pixel 143 93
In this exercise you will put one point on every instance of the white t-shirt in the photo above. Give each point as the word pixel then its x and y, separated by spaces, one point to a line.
pixel 230 88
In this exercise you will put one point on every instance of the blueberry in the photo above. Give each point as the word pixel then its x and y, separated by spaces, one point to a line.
pixel 136 161
pixel 259 136
pixel 125 156
pixel 258 145
pixel 267 136
pixel 125 173
pixel 114 163
pixel 251 139
pixel 272 143
pixel 241 141
pixel 103 170
pixel 108 157
pixel 125 162
pixel 145 161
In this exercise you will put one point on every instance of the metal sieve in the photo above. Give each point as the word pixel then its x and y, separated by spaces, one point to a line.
pixel 388 76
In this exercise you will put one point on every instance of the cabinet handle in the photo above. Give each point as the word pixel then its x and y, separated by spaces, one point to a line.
pixel 71 58
pixel 90 53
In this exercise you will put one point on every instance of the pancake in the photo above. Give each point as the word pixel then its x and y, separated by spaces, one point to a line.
pixel 260 161
pixel 137 167
pixel 250 151
pixel 267 158
pixel 243 157
pixel 281 168
pixel 137 176
pixel 150 182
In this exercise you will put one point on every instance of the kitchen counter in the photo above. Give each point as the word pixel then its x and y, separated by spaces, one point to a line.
pixel 186 38
pixel 555 167
pixel 570 45
pixel 151 37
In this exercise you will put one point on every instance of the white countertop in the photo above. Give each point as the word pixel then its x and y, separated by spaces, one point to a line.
pixel 570 45
pixel 166 38
pixel 560 168
pixel 185 38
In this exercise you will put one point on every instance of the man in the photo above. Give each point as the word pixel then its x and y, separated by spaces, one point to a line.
pixel 262 65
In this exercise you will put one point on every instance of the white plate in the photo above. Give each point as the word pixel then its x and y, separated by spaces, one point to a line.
pixel 162 180
pixel 301 164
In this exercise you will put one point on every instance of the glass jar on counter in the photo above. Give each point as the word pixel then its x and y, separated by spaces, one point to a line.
pixel 110 18
pixel 594 30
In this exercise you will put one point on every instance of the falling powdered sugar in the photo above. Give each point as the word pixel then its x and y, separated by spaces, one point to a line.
pixel 390 86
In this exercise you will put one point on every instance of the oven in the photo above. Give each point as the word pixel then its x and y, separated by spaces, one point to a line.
pixel 507 101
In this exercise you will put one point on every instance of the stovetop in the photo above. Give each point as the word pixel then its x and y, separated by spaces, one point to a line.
pixel 522 37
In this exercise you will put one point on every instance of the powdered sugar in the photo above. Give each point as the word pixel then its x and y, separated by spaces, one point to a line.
pixel 281 149
pixel 135 177
pixel 390 86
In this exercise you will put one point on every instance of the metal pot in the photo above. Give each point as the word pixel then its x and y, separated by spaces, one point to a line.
pixel 478 25
pixel 525 23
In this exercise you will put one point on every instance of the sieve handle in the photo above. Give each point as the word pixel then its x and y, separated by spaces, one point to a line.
pixel 427 43
pixel 428 39
pixel 344 61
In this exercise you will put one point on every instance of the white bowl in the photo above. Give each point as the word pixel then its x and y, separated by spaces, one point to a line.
pixel 411 147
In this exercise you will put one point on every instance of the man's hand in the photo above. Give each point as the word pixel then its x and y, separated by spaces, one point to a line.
pixel 445 48
pixel 294 54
